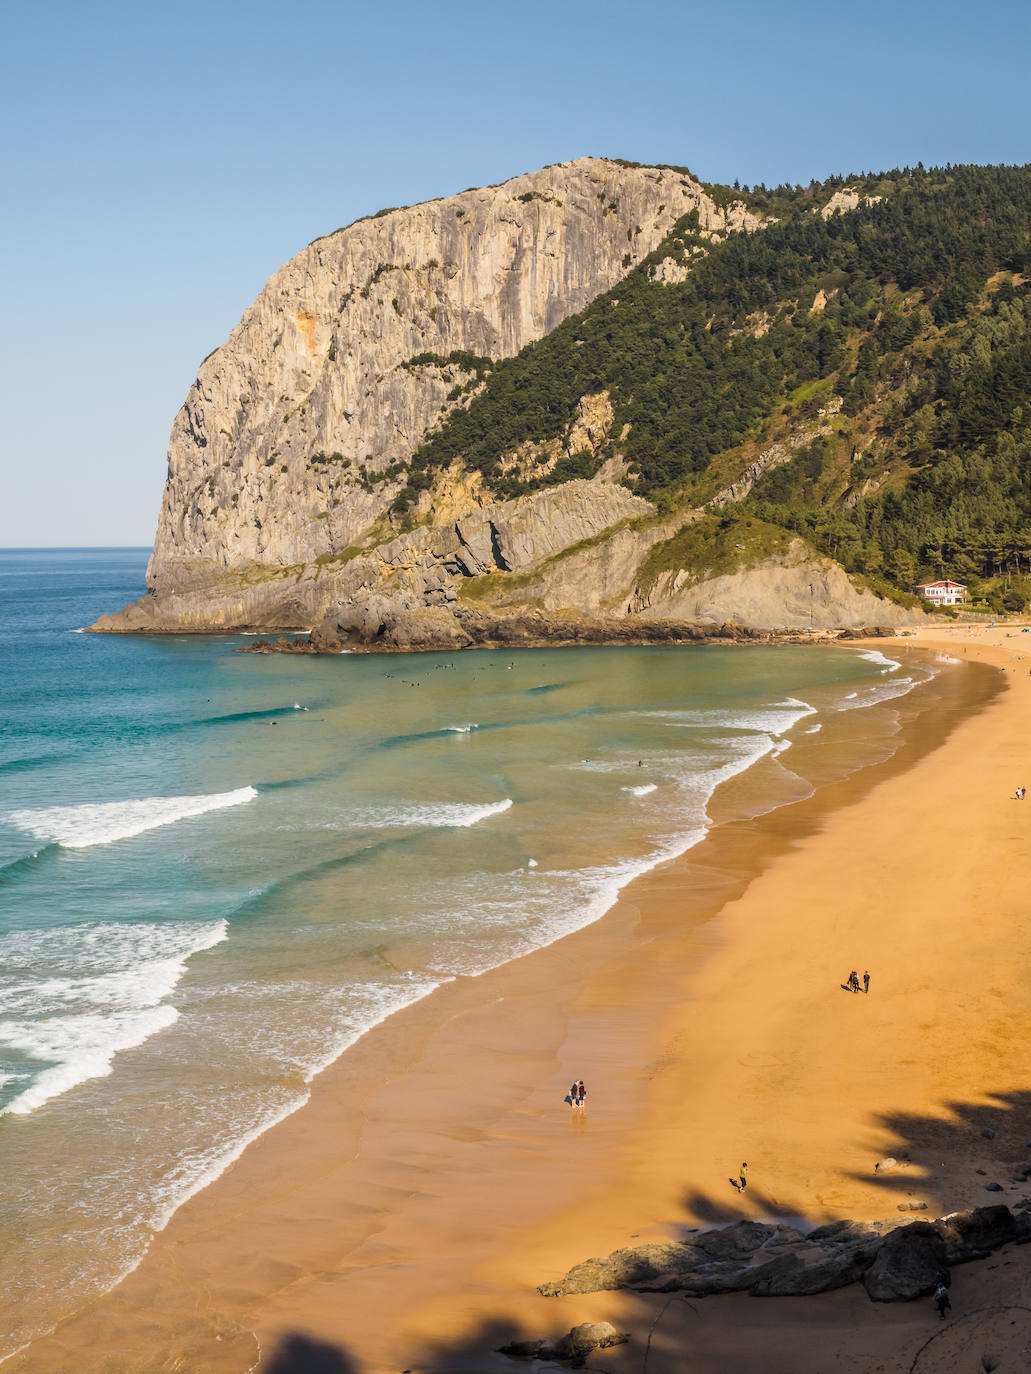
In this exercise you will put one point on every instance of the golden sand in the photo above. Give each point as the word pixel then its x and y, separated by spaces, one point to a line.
pixel 402 1220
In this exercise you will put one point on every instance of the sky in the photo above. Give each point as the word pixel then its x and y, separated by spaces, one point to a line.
pixel 161 161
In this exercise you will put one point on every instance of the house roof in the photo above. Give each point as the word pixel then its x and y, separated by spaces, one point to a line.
pixel 945 585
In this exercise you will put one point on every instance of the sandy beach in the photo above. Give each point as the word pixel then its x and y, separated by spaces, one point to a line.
pixel 402 1220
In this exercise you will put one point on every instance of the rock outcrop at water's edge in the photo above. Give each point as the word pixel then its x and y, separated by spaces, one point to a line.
pixel 895 1263
pixel 571 553
pixel 380 626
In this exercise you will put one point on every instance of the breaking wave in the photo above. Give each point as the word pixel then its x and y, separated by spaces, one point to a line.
pixel 79 827
pixel 75 996
pixel 444 814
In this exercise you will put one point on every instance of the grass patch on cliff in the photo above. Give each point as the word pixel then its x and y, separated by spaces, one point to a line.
pixel 713 545
pixel 488 586
pixel 326 560
pixel 528 196
pixel 254 574
pixel 591 542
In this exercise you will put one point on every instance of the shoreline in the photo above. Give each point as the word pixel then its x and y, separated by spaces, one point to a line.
pixel 583 1000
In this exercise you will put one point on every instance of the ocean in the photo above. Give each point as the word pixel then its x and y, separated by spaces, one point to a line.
pixel 219 870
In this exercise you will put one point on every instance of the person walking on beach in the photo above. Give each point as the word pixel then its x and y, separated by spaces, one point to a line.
pixel 866 980
pixel 581 1093
pixel 574 1093
pixel 853 981
pixel 742 1180
pixel 941 1298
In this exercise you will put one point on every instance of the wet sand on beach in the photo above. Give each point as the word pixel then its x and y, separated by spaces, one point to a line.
pixel 403 1218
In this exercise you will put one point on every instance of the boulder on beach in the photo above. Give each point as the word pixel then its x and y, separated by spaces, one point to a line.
pixel 574 1346
pixel 908 1263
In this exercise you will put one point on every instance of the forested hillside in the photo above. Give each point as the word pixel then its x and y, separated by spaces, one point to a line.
pixel 901 329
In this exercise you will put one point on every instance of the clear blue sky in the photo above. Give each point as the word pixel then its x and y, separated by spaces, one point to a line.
pixel 161 161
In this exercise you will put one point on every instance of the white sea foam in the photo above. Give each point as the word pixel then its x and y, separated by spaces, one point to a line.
pixel 79 827
pixel 562 901
pixel 875 656
pixel 83 1046
pixel 641 791
pixel 431 814
pixel 877 692
pixel 75 996
pixel 462 729
pixel 361 1009
pixel 813 730
pixel 775 719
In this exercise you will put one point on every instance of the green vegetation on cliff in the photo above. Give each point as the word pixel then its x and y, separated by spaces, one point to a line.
pixel 899 333
pixel 713 545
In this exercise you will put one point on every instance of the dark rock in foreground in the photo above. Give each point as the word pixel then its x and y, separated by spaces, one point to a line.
pixel 895 1263
pixel 908 1263
pixel 574 1347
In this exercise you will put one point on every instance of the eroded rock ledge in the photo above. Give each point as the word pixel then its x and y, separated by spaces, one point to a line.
pixel 894 1263
pixel 380 627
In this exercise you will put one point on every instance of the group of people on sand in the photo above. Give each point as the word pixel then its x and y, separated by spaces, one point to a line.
pixel 577 1094
pixel 853 981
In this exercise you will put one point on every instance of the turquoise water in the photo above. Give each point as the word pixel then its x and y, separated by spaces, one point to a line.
pixel 218 870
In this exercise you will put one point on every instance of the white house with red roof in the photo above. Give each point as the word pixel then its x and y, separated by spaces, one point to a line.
pixel 943 593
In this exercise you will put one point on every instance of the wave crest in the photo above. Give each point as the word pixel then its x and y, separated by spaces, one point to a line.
pixel 79 827
pixel 432 814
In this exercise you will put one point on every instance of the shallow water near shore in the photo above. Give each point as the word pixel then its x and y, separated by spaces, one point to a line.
pixel 217 871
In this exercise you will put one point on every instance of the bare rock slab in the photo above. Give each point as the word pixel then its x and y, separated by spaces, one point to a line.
pixel 895 1263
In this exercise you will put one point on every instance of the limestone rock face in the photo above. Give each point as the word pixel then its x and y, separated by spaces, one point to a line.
pixel 848 198
pixel 276 457
pixel 795 592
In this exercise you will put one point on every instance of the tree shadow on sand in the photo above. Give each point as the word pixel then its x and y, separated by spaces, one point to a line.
pixel 969 1155
pixel 478 1353
pixel 671 1334
pixel 300 1354
pixel 709 1211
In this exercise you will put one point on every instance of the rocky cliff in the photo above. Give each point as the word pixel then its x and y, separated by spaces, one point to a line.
pixel 347 357
pixel 297 433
